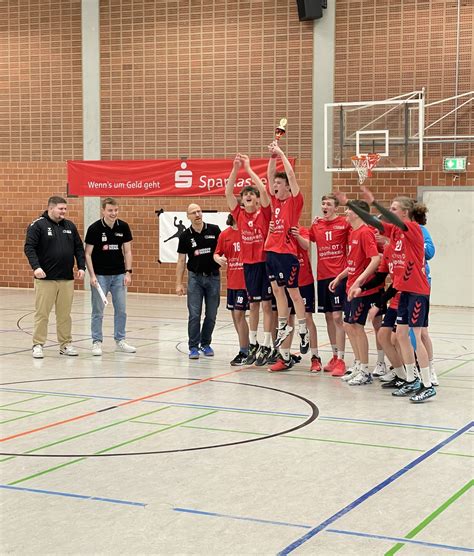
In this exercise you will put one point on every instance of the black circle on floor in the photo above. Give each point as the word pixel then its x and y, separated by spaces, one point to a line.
pixel 312 417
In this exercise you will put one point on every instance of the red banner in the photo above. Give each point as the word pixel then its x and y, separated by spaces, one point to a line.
pixel 154 178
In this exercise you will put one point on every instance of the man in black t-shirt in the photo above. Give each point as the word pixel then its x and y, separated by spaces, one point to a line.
pixel 109 262
pixel 198 243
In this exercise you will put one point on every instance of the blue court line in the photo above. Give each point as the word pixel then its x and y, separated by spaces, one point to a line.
pixel 291 547
pixel 239 518
pixel 400 539
pixel 341 532
pixel 229 408
pixel 72 495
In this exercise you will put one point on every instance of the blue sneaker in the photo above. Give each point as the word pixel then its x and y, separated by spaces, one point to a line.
pixel 207 351
pixel 408 389
pixel 194 353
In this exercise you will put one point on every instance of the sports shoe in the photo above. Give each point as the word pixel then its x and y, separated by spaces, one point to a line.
pixel 122 345
pixel 304 342
pixel 339 368
pixel 282 334
pixel 351 372
pixel 394 383
pixel 273 357
pixel 434 378
pixel 329 367
pixel 207 351
pixel 379 370
pixel 253 349
pixel 239 360
pixel 360 379
pixel 68 350
pixel 408 389
pixel 194 353
pixel 315 364
pixel 423 394
pixel 96 348
pixel 281 365
pixel 295 358
pixel 389 375
pixel 262 356
pixel 37 351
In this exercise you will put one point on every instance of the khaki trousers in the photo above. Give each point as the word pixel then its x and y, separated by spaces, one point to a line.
pixel 58 293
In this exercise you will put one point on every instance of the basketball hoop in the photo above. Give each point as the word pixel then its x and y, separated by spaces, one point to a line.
pixel 364 163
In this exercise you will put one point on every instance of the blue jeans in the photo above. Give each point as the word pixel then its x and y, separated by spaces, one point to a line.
pixel 114 285
pixel 207 289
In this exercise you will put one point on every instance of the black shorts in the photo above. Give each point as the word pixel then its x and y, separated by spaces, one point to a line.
pixel 413 310
pixel 237 300
pixel 356 311
pixel 328 301
pixel 283 268
pixel 390 318
pixel 256 282
pixel 308 294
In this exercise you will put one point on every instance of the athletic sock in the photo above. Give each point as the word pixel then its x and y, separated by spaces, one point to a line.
pixel 400 372
pixel 340 354
pixel 253 336
pixel 314 351
pixel 285 353
pixel 410 369
pixel 380 356
pixel 431 364
pixel 426 377
pixel 302 326
pixel 334 350
pixel 267 339
pixel 282 322
pixel 244 350
pixel 364 367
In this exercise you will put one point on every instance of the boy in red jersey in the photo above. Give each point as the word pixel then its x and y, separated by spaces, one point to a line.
pixel 282 247
pixel 409 277
pixel 306 287
pixel 362 261
pixel 330 234
pixel 253 220
pixel 228 255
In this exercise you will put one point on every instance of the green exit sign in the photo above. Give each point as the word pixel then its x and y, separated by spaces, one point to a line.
pixel 455 164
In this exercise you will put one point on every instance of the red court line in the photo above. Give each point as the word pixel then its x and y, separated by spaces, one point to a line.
pixel 83 416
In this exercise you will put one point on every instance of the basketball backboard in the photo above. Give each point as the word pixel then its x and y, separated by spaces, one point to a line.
pixel 392 128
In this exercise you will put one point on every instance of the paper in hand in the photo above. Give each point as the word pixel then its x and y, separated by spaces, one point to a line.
pixel 102 295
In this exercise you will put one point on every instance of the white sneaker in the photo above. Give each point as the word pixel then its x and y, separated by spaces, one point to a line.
pixel 97 348
pixel 360 379
pixel 351 372
pixel 380 369
pixel 69 350
pixel 126 348
pixel 388 376
pixel 434 377
pixel 37 351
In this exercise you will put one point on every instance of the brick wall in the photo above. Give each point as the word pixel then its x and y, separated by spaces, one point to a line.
pixel 203 79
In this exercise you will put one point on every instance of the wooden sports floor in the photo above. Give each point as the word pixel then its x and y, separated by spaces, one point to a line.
pixel 151 453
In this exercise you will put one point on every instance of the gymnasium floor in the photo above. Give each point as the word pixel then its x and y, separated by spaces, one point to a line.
pixel 155 454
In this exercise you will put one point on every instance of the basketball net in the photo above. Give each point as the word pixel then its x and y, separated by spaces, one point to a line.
pixel 364 163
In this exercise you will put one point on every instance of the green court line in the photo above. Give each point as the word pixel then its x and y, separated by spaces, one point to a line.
pixel 455 367
pixel 431 517
pixel 105 450
pixel 17 410
pixel 92 431
pixel 23 401
pixel 329 441
pixel 45 410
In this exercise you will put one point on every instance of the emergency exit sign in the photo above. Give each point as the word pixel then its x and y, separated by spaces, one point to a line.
pixel 455 164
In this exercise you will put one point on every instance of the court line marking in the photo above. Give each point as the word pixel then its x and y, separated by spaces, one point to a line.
pixel 431 517
pixel 134 400
pixel 453 368
pixel 323 525
pixel 302 526
pixel 73 495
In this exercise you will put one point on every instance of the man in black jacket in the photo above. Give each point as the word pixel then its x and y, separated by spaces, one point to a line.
pixel 52 243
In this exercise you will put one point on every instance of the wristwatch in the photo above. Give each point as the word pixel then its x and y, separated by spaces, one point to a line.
pixel 129 270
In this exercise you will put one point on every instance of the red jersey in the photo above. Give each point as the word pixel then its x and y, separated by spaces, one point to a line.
pixel 386 265
pixel 305 276
pixel 408 258
pixel 253 228
pixel 362 246
pixel 331 238
pixel 228 245
pixel 285 215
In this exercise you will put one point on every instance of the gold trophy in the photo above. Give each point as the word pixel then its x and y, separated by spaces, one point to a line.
pixel 280 129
